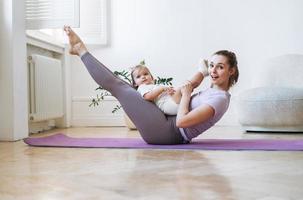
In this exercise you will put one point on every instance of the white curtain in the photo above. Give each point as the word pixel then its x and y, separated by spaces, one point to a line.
pixel 93 21
pixel 42 14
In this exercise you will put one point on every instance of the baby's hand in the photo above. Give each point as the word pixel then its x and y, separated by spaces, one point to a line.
pixel 170 90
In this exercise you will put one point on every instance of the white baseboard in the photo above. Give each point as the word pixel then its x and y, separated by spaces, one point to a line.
pixel 37 127
pixel 91 120
pixel 83 115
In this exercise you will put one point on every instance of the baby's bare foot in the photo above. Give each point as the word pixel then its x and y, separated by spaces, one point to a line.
pixel 203 67
pixel 77 47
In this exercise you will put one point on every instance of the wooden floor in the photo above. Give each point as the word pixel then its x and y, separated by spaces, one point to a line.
pixel 71 174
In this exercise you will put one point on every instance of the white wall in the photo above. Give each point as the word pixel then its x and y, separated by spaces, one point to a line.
pixel 172 35
pixel 5 72
pixel 13 78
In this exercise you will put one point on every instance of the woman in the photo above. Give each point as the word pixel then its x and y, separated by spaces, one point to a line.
pixel 196 113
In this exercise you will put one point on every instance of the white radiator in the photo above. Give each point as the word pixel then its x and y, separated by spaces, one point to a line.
pixel 45 88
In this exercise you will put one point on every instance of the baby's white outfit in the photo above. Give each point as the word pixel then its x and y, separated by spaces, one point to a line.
pixel 164 101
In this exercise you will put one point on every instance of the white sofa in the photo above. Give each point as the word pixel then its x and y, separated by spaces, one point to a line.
pixel 276 103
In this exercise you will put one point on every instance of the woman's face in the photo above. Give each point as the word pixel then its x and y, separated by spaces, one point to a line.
pixel 220 71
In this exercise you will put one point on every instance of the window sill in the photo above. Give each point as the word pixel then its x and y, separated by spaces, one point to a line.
pixel 44 41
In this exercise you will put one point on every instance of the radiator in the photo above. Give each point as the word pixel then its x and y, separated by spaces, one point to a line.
pixel 45 88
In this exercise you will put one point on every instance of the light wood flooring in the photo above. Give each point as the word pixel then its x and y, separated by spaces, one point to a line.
pixel 72 173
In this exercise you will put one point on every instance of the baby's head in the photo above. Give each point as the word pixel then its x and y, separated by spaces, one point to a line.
pixel 141 75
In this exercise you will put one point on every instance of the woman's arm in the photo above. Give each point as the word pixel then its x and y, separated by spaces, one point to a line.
pixel 200 74
pixel 152 95
pixel 186 118
pixel 196 79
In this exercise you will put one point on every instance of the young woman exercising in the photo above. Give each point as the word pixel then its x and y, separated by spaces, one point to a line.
pixel 196 113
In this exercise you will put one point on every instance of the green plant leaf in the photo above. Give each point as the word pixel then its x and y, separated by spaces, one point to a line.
pixel 99 88
pixel 118 107
pixel 164 81
pixel 142 62
pixel 125 75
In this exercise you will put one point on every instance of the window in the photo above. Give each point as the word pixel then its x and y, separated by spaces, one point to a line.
pixel 48 14
pixel 93 21
pixel 51 15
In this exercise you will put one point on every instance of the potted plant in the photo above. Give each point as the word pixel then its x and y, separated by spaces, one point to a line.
pixel 125 75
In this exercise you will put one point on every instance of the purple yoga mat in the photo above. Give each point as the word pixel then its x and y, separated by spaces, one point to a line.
pixel 61 140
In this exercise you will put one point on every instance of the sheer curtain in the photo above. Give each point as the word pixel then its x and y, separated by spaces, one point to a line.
pixel 89 17
pixel 41 14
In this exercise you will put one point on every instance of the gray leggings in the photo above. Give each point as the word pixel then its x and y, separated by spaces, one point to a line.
pixel 154 126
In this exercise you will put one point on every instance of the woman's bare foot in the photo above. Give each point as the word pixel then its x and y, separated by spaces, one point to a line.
pixel 77 47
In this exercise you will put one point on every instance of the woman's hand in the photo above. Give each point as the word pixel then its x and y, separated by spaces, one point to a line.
pixel 185 117
pixel 170 90
pixel 167 89
pixel 187 89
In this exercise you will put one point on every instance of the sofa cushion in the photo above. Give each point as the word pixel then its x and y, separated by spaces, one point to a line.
pixel 271 106
pixel 272 94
